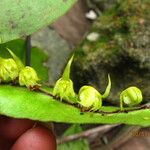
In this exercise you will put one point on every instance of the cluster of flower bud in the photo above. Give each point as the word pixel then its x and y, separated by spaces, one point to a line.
pixel 12 69
pixel 88 97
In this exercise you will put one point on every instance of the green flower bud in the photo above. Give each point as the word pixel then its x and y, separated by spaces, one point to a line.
pixel 64 89
pixel 28 77
pixel 64 86
pixel 8 70
pixel 90 98
pixel 131 97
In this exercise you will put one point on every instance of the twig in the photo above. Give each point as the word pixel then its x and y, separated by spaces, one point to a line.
pixel 85 134
pixel 122 136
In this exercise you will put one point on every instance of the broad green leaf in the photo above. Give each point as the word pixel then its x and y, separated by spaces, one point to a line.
pixel 80 144
pixel 22 17
pixel 38 57
pixel 19 102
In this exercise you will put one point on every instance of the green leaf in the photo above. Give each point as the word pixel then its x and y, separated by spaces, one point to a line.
pixel 19 102
pixel 80 144
pixel 38 57
pixel 21 18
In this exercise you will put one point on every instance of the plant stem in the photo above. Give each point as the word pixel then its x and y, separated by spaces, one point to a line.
pixel 28 50
pixel 85 134
pixel 122 136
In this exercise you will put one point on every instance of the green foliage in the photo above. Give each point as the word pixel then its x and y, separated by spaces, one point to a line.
pixel 42 107
pixel 21 18
pixel 79 144
pixel 38 57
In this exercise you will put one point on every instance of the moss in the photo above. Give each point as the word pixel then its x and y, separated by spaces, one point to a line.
pixel 123 18
pixel 122 49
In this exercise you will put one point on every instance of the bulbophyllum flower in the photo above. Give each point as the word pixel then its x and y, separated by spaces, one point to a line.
pixel 27 75
pixel 64 86
pixel 90 98
pixel 131 96
pixel 8 70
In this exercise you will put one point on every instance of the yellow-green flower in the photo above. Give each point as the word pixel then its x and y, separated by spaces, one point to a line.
pixel 131 97
pixel 90 98
pixel 8 70
pixel 64 89
pixel 64 86
pixel 28 77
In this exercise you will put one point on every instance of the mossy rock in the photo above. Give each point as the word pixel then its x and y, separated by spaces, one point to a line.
pixel 121 49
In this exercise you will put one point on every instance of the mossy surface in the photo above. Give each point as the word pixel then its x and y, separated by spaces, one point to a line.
pixel 122 49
